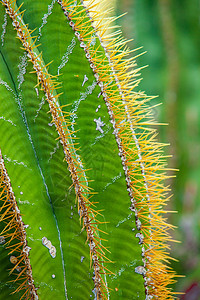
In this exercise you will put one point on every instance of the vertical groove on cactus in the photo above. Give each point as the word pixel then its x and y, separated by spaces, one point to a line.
pixel 13 236
pixel 112 120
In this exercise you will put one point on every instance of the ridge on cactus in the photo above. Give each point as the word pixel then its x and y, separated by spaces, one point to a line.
pixel 81 171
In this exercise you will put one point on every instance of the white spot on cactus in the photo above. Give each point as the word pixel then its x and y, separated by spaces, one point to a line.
pixel 24 202
pixel 99 124
pixel 76 104
pixel 11 122
pixel 4 29
pixel 26 250
pixel 85 80
pixel 141 238
pixel 53 276
pixel 138 224
pixel 88 91
pixel 54 151
pixel 15 161
pixel 22 69
pixel 21 193
pixel 44 19
pixel 37 92
pixel 97 138
pixel 124 220
pixel 40 228
pixel 82 258
pixel 7 86
pixel 113 181
pixel 119 273
pixel 48 244
pixel 65 57
pixel 40 105
pixel 140 270
pixel 52 251
pixel 99 106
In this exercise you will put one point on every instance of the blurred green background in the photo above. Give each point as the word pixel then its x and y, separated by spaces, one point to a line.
pixel 170 33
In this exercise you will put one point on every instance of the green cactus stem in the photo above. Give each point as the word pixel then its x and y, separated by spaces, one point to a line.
pixel 82 173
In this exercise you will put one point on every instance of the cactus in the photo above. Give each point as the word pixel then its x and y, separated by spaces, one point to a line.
pixel 81 186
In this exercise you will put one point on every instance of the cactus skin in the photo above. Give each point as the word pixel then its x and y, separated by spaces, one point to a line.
pixel 54 185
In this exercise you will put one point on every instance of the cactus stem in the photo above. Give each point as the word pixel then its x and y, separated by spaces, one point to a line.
pixel 141 155
pixel 11 216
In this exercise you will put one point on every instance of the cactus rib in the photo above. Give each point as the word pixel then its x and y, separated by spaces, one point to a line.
pixel 15 236
pixel 143 161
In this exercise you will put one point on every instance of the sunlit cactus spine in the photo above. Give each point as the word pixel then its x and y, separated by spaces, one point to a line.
pixel 81 186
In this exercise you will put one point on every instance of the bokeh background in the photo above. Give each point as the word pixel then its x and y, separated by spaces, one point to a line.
pixel 169 30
